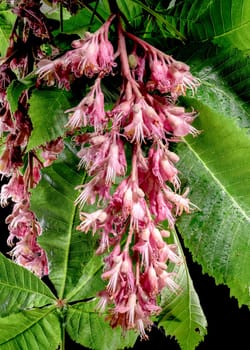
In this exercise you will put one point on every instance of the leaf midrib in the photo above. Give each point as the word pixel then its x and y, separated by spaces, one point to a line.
pixel 26 290
pixel 217 181
pixel 232 30
pixel 67 250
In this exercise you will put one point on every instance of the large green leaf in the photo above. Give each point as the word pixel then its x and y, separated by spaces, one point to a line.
pixel 225 22
pixel 34 329
pixel 219 69
pixel 7 19
pixel 182 315
pixel 87 327
pixel 47 113
pixel 68 250
pixel 20 289
pixel 215 166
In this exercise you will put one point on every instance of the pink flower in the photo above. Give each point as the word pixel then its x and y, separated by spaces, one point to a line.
pixel 31 256
pixel 14 189
pixel 162 208
pixel 178 121
pixel 166 280
pixel 51 151
pixel 143 247
pixel 24 227
pixel 181 202
pixel 169 75
pixel 159 73
pixel 92 220
pixel 103 301
pixel 93 157
pixel 181 78
pixel 131 197
pixel 90 111
pixel 136 130
pixel 93 54
pixel 106 153
pixel 95 187
pixel 121 112
pixel 83 60
pixel 120 274
pixel 116 161
pixel 54 72
pixel 149 281
pixel 167 252
pixel 162 167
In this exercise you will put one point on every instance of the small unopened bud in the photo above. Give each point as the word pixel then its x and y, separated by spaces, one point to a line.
pixel 132 60
pixel 165 233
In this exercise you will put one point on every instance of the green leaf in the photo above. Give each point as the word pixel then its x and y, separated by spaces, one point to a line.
pixel 90 281
pixel 68 250
pixel 20 289
pixel 88 327
pixel 132 11
pixel 82 22
pixel 215 166
pixel 15 90
pixel 225 22
pixel 34 329
pixel 225 74
pixel 159 17
pixel 47 113
pixel 7 19
pixel 182 315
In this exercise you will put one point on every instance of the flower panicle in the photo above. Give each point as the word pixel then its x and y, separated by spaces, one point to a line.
pixel 135 195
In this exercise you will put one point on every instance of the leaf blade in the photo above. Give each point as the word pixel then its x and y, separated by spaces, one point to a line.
pixel 85 326
pixel 67 249
pixel 219 178
pixel 182 315
pixel 34 329
pixel 7 19
pixel 47 113
pixel 14 91
pixel 20 289
pixel 225 23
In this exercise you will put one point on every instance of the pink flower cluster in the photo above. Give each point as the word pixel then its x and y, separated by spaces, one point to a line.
pixel 24 229
pixel 91 55
pixel 22 223
pixel 22 167
pixel 132 174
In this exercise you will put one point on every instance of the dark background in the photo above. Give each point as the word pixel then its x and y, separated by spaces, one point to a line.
pixel 227 324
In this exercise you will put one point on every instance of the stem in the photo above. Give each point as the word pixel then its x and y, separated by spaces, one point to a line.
pixel 63 335
pixel 134 177
pixel 125 70
pixel 134 180
pixel 30 165
pixel 146 46
pixel 129 239
pixel 137 271
pixel 93 14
